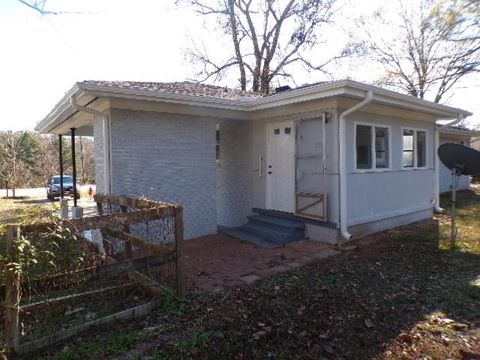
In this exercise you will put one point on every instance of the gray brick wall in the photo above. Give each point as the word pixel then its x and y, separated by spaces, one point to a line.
pixel 234 172
pixel 167 158
pixel 98 146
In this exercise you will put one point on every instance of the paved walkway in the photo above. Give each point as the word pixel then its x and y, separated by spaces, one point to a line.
pixel 218 262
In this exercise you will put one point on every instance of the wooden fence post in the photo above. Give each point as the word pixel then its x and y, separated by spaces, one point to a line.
pixel 126 228
pixel 12 294
pixel 179 249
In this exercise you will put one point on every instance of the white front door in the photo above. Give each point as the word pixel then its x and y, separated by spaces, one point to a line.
pixel 281 166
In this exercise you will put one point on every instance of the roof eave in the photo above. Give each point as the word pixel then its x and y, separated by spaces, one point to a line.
pixel 348 88
pixel 48 123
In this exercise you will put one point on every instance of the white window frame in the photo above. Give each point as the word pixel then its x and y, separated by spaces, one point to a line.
pixel 373 153
pixel 415 157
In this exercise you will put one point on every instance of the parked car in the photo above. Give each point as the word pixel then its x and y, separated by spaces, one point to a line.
pixel 53 187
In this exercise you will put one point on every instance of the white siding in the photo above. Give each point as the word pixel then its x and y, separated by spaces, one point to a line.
pixel 372 195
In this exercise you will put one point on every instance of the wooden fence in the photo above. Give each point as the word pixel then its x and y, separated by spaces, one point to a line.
pixel 121 221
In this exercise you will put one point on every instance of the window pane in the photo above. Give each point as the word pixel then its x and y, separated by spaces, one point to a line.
pixel 381 148
pixel 407 148
pixel 217 143
pixel 364 147
pixel 421 149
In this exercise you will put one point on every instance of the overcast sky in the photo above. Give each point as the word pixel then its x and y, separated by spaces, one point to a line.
pixel 145 40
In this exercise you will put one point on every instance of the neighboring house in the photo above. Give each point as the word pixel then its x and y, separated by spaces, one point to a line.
pixel 461 136
pixel 339 158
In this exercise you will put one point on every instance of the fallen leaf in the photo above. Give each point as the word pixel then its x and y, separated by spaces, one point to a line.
pixel 368 323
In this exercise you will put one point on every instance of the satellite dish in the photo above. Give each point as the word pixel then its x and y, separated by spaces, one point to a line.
pixel 465 160
pixel 461 160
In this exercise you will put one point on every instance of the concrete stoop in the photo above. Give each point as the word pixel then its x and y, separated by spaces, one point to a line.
pixel 268 230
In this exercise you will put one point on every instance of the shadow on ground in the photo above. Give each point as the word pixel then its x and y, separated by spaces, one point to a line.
pixel 29 201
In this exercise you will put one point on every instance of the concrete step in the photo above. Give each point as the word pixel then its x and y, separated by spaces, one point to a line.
pixel 273 234
pixel 238 233
pixel 277 221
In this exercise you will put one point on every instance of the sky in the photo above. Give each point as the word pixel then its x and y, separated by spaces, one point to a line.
pixel 143 40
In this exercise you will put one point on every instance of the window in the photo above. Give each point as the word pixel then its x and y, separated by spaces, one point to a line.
pixel 373 147
pixel 414 148
pixel 364 143
pixel 381 148
pixel 217 143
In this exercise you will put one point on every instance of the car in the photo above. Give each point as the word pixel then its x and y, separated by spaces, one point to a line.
pixel 53 187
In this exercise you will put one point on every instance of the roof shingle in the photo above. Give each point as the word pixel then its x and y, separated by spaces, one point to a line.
pixel 180 88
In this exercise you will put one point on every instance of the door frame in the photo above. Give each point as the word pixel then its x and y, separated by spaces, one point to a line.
pixel 268 182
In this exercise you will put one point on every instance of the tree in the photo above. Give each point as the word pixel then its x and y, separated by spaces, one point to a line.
pixel 17 150
pixel 435 44
pixel 267 38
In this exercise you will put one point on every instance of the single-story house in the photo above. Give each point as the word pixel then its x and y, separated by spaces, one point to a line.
pixel 325 161
pixel 456 135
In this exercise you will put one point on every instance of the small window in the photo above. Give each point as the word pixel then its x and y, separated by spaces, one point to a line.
pixel 373 147
pixel 276 131
pixel 414 148
pixel 288 130
pixel 381 148
pixel 364 144
pixel 408 148
pixel 421 149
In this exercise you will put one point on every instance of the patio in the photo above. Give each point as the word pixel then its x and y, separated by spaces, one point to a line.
pixel 217 262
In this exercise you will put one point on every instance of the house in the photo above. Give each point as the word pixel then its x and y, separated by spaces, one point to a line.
pixel 457 135
pixel 326 161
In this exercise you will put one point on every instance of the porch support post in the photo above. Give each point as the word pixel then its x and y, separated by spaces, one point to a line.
pixel 60 159
pixel 74 167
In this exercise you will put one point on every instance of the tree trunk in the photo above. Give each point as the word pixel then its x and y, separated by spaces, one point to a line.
pixel 236 44
pixel 14 177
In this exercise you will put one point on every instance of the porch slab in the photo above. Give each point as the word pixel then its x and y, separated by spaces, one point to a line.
pixel 218 262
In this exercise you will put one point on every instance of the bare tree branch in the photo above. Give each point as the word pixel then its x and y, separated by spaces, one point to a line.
pixel 267 37
pixel 436 44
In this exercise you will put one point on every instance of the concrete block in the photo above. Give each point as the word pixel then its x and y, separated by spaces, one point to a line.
pixel 77 212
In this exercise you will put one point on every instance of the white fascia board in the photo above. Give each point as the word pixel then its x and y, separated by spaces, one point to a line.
pixel 46 124
pixel 408 101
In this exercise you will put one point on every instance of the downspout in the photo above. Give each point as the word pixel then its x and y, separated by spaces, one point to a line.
pixel 106 141
pixel 437 160
pixel 342 173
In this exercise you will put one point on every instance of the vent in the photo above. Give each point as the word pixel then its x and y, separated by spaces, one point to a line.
pixel 282 89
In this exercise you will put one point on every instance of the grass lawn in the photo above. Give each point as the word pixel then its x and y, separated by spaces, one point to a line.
pixel 406 295
pixel 24 210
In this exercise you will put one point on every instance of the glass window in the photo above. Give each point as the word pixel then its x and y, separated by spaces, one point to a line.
pixel 408 136
pixel 421 148
pixel 381 148
pixel 217 143
pixel 414 148
pixel 364 146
